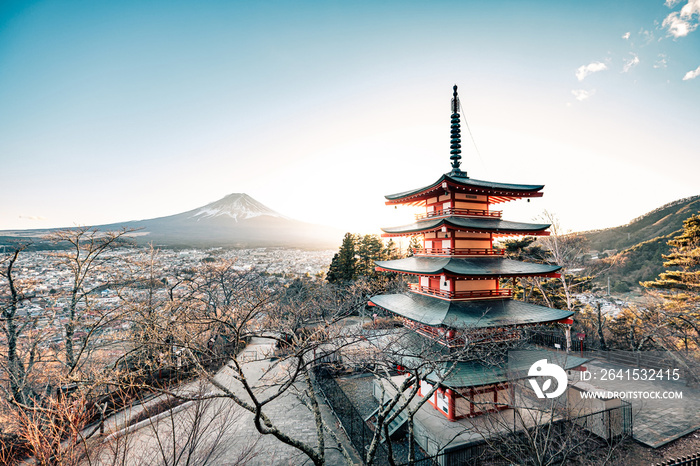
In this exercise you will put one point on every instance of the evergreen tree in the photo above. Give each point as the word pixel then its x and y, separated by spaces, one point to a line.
pixel 391 251
pixel 370 248
pixel 679 287
pixel 343 264
pixel 682 279
pixel 414 244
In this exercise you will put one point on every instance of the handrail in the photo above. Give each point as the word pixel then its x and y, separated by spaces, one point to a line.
pixel 458 251
pixel 506 292
pixel 465 212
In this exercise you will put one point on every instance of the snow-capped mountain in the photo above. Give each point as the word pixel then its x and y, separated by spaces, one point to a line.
pixel 238 206
pixel 237 220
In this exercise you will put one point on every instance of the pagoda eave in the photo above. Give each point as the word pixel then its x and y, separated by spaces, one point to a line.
pixel 495 226
pixel 476 373
pixel 494 196
pixel 467 267
pixel 496 233
pixel 443 273
pixel 487 313
pixel 497 192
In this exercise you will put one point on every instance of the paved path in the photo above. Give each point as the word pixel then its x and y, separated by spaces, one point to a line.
pixel 656 421
pixel 286 412
pixel 225 430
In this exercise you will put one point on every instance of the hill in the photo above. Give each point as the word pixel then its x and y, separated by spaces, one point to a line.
pixel 236 220
pixel 659 222
pixel 642 243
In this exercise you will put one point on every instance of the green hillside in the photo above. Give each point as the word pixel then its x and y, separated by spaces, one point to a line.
pixel 641 243
pixel 659 222
pixel 641 262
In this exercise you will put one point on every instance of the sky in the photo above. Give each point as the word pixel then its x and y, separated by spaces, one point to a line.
pixel 116 111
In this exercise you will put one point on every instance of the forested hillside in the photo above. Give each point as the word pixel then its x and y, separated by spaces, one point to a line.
pixel 660 222
pixel 642 243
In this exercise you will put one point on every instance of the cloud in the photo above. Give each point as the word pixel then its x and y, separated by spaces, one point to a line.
pixel 676 26
pixel 585 70
pixel 681 23
pixel 692 74
pixel 626 35
pixel 646 35
pixel 582 94
pixel 32 217
pixel 661 62
pixel 629 64
pixel 671 3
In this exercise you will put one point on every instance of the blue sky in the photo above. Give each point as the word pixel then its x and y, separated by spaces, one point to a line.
pixel 113 111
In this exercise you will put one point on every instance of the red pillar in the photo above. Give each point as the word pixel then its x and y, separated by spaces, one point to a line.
pixel 451 415
pixel 471 401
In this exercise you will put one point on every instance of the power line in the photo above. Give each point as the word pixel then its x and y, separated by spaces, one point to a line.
pixel 464 117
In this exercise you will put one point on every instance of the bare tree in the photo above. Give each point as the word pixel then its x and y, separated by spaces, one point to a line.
pixel 87 253
pixel 52 434
pixel 171 431
pixel 291 328
pixel 16 363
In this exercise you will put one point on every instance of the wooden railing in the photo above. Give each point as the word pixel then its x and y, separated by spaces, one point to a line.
pixel 447 337
pixel 459 337
pixel 504 293
pixel 464 212
pixel 458 252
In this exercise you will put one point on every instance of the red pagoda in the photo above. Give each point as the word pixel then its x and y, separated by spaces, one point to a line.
pixel 464 292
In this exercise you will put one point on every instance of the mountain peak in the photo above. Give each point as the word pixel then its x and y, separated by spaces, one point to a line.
pixel 238 206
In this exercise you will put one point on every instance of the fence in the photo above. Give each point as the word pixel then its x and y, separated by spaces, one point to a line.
pixel 610 424
pixel 354 424
pixel 693 460
pixel 472 455
pixel 556 340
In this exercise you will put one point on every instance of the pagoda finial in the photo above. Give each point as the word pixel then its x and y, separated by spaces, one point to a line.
pixel 455 138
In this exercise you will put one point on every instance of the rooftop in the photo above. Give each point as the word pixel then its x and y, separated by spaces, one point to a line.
pixel 482 267
pixel 483 313
pixel 497 192
pixel 487 225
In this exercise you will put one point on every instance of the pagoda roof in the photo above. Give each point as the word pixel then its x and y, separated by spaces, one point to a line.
pixel 492 267
pixel 486 313
pixel 477 373
pixel 487 225
pixel 499 192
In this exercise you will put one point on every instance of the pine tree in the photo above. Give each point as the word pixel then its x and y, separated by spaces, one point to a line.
pixel 370 248
pixel 414 244
pixel 343 265
pixel 682 281
pixel 679 287
pixel 391 251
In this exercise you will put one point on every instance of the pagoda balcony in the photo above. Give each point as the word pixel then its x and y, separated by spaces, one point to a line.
pixel 449 338
pixel 459 338
pixel 458 252
pixel 471 294
pixel 461 212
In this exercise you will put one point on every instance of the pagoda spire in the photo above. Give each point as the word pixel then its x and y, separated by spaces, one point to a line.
pixel 455 138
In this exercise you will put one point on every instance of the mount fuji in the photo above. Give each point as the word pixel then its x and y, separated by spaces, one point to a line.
pixel 237 220
pixel 238 206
